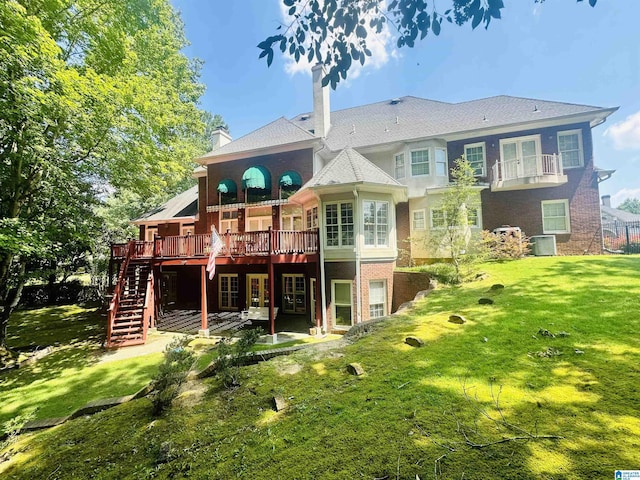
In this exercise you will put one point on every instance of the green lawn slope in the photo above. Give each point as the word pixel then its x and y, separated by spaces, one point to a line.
pixel 496 397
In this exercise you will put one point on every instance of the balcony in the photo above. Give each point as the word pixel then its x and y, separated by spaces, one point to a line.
pixel 250 244
pixel 536 171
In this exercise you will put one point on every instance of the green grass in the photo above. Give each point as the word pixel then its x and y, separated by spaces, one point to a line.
pixel 72 375
pixel 410 407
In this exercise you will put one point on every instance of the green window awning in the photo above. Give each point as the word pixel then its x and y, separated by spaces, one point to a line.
pixel 256 177
pixel 290 179
pixel 227 186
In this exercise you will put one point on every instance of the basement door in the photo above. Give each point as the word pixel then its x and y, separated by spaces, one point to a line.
pixel 258 290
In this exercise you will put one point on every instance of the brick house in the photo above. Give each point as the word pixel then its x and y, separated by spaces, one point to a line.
pixel 312 210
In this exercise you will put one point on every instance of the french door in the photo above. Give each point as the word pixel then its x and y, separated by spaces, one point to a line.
pixel 294 294
pixel 258 290
pixel 520 156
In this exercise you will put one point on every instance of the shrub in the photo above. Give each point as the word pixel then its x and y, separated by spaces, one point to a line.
pixel 172 373
pixel 231 356
pixel 502 246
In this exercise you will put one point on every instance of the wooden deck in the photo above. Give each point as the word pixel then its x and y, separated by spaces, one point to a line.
pixel 188 321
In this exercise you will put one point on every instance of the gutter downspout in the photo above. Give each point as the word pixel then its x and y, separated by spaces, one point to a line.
pixel 323 281
pixel 358 277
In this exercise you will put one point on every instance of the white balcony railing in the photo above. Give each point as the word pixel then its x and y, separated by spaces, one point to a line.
pixel 533 166
pixel 535 171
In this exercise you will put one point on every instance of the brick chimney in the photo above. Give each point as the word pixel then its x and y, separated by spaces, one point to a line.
pixel 219 137
pixel 321 109
pixel 606 200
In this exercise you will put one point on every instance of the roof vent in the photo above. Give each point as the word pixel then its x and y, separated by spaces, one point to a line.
pixel 304 117
pixel 484 118
pixel 535 109
pixel 394 101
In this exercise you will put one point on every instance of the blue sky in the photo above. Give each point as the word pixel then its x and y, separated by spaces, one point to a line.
pixel 559 50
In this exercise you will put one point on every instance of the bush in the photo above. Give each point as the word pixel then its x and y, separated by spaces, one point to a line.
pixel 171 374
pixel 503 246
pixel 443 272
pixel 231 356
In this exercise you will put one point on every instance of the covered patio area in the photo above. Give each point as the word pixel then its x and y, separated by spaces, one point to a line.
pixel 189 321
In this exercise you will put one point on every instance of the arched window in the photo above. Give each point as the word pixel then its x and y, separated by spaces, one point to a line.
pixel 256 183
pixel 289 183
pixel 228 192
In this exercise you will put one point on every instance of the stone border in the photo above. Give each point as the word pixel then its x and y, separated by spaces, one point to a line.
pixel 250 359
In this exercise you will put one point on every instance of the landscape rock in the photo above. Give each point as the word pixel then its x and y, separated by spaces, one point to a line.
pixel 279 403
pixel 545 333
pixel 355 369
pixel 496 287
pixel 457 319
pixel 562 334
pixel 486 301
pixel 481 276
pixel 414 341
pixel 579 352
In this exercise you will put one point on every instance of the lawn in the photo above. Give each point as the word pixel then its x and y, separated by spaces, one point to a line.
pixel 496 397
pixel 72 375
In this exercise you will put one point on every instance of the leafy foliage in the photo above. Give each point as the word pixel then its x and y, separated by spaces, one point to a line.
pixel 232 355
pixel 454 237
pixel 505 246
pixel 172 373
pixel 94 97
pixel 335 32
pixel 631 205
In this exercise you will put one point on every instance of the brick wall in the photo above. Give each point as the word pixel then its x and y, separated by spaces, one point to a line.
pixel 301 161
pixel 376 271
pixel 406 285
pixel 523 208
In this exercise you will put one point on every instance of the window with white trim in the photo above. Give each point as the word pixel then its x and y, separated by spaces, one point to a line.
pixel 474 154
pixel 376 223
pixel 228 291
pixel 229 221
pixel 570 147
pixel 555 216
pixel 438 218
pixel 473 217
pixel 441 162
pixel 419 162
pixel 150 233
pixel 339 224
pixel 312 218
pixel 399 167
pixel 377 298
pixel 418 220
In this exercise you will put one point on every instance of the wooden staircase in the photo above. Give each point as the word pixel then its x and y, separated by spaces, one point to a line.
pixel 129 305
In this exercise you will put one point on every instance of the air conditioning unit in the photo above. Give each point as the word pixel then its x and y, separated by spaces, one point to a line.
pixel 543 245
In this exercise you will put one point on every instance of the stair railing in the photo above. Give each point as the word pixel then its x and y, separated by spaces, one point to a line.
pixel 149 306
pixel 119 288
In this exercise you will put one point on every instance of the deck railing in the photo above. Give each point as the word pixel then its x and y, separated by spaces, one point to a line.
pixel 268 242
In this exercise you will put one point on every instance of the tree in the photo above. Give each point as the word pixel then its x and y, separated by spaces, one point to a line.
pixel 451 235
pixel 630 205
pixel 94 96
pixel 336 32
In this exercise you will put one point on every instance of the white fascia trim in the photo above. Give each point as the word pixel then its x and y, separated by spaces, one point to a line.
pixel 165 220
pixel 286 147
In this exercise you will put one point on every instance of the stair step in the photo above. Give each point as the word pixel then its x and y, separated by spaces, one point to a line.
pixel 119 331
pixel 127 343
pixel 129 319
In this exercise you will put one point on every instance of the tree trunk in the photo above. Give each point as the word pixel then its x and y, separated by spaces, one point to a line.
pixel 10 297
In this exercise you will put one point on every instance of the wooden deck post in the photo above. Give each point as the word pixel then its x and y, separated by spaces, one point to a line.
pixel 204 326
pixel 272 322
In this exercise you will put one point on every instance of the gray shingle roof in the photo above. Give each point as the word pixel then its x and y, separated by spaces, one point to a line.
pixel 182 205
pixel 410 118
pixel 278 132
pixel 621 215
pixel 405 119
pixel 350 167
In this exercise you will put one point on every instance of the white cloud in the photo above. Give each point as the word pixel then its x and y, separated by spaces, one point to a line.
pixel 625 134
pixel 621 195
pixel 380 44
